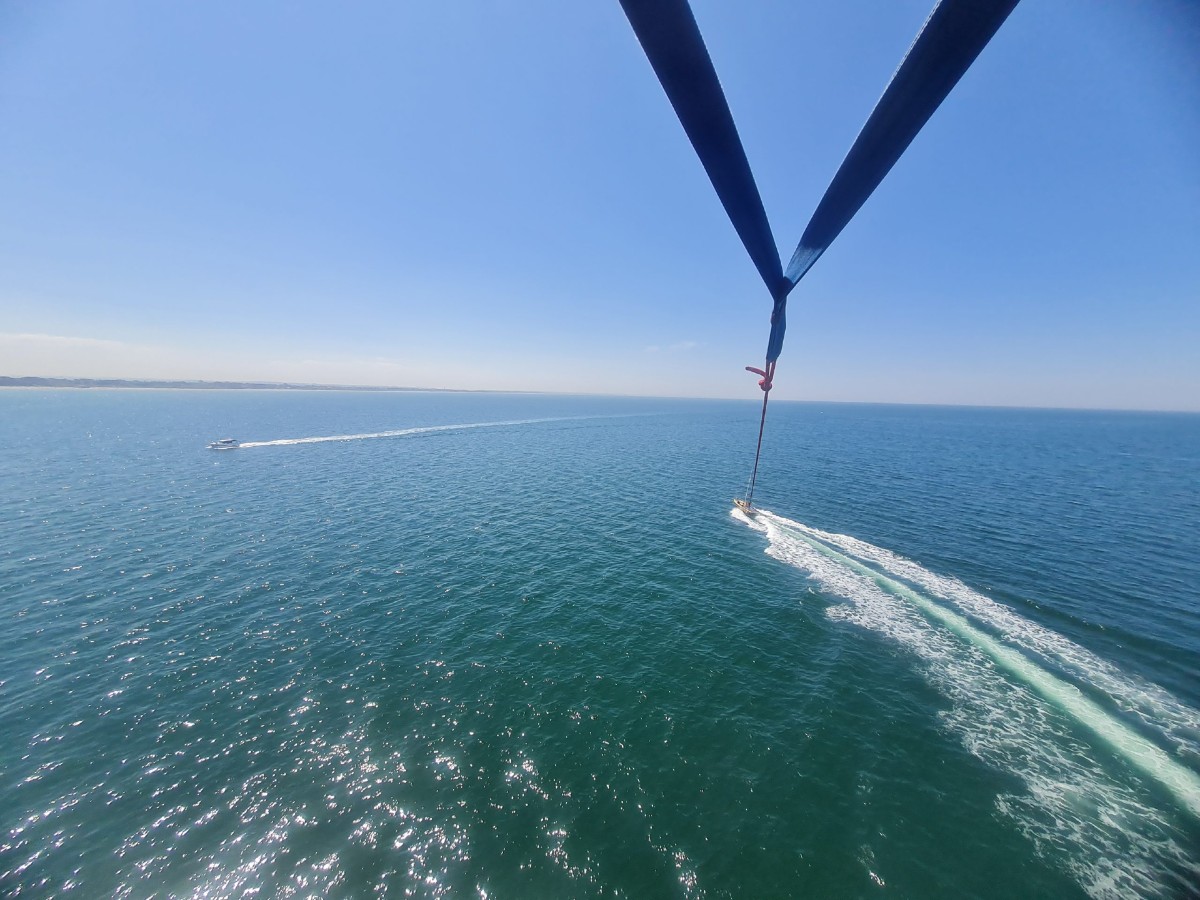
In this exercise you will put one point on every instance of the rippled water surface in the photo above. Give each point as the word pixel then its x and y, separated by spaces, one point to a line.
pixel 470 645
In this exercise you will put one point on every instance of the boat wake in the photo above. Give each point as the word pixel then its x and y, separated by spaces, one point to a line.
pixel 1106 759
pixel 404 432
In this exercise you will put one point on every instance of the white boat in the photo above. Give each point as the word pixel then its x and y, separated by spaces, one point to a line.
pixel 224 444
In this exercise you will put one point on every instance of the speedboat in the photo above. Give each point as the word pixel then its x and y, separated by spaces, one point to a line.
pixel 224 444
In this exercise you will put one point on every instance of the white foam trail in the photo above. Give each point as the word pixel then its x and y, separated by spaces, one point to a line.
pixel 1123 843
pixel 1154 707
pixel 402 432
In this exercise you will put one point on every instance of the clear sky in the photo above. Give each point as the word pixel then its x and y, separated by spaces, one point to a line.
pixel 487 194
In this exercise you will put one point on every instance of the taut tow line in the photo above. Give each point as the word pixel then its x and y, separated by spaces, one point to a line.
pixel 766 383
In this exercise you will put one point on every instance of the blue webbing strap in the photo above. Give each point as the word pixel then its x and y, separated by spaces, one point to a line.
pixel 951 39
pixel 667 32
pixel 954 34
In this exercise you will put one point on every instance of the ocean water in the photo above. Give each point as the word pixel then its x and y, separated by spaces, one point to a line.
pixel 515 646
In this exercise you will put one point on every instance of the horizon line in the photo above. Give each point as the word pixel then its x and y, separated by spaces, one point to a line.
pixel 35 382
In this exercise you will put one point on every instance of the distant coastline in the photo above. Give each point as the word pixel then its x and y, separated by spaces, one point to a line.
pixel 36 382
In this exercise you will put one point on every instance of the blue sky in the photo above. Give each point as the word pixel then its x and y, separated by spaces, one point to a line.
pixel 497 195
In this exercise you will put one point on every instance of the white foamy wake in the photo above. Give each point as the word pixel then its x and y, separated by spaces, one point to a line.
pixel 1018 716
pixel 1155 708
pixel 402 432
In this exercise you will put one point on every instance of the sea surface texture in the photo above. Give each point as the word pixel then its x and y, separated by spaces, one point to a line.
pixel 514 646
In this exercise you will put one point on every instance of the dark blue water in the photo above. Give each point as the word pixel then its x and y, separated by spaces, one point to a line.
pixel 543 658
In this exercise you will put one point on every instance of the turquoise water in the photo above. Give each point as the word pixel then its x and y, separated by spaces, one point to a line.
pixel 535 654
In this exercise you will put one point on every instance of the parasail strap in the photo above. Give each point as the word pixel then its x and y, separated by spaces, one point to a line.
pixel 948 43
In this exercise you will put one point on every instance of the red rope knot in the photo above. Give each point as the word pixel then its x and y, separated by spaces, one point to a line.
pixel 768 375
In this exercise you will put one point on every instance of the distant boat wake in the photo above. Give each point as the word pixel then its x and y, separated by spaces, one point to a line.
pixel 404 432
pixel 1030 702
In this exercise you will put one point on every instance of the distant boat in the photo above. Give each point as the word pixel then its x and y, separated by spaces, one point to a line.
pixel 224 444
pixel 744 506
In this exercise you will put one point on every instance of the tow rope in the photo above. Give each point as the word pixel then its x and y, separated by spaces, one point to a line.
pixel 766 384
